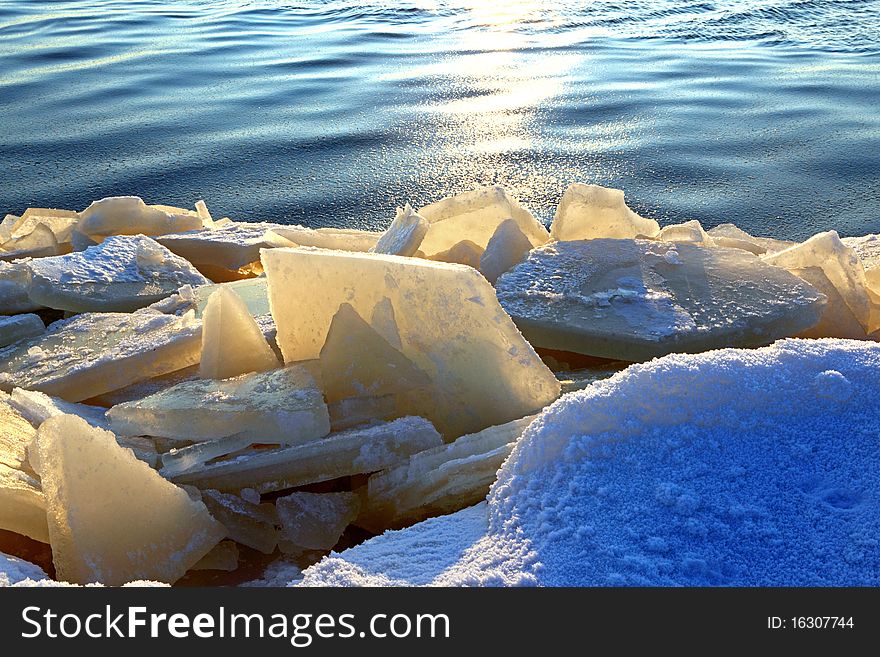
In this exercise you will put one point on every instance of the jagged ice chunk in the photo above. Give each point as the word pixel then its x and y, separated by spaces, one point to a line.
pixel 589 212
pixel 315 521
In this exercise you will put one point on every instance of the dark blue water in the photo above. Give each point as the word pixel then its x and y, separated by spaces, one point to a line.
pixel 766 114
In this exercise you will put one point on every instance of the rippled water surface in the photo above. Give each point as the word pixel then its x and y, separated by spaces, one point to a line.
pixel 766 114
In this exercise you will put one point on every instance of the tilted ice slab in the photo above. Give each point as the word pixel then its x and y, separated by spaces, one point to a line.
pixel 475 216
pixel 355 451
pixel 232 342
pixel 507 246
pixel 356 361
pixel 867 248
pixel 841 266
pixel 15 279
pixel 775 482
pixel 37 407
pixel 113 519
pixel 439 480
pixel 465 252
pixel 94 353
pixel 280 406
pixel 590 212
pixel 637 299
pixel 729 235
pixel 16 433
pixel 450 326
pixel 344 239
pixel 315 521
pixel 404 235
pixel 227 252
pixel 121 274
pixel 129 215
pixel 19 327
pixel 22 504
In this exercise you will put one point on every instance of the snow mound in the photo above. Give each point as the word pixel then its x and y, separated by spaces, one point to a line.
pixel 14 571
pixel 732 467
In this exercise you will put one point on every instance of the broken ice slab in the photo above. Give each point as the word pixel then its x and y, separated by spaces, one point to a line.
pixel 205 215
pixel 352 411
pixel 232 343
pixel 61 226
pixel 439 480
pixel 143 448
pixel 729 235
pixel 37 407
pixel 636 299
pixel 590 212
pixel 315 521
pixel 19 327
pixel 145 388
pixel 404 235
pixel 450 325
pixel 507 246
pixel 112 518
pixel 129 215
pixel 841 266
pixel 94 353
pixel 689 231
pixel 474 216
pixel 224 556
pixel 184 459
pixel 246 523
pixel 121 274
pixel 39 243
pixel 867 248
pixel 22 504
pixel 16 433
pixel 230 250
pixel 356 361
pixel 351 452
pixel 343 239
pixel 280 406
pixel 465 252
pixel 837 319
pixel 15 279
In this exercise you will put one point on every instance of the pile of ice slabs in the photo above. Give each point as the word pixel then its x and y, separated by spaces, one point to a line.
pixel 214 393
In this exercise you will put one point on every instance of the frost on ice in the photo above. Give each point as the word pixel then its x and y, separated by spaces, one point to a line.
pixel 475 216
pixel 482 371
pixel 773 483
pixel 232 342
pixel 404 235
pixel 282 406
pixel 246 523
pixel 14 571
pixel 589 212
pixel 121 274
pixel 94 353
pixel 356 451
pixel 112 518
pixel 315 521
pixel 637 299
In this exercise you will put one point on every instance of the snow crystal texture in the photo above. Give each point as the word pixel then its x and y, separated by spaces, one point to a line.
pixel 732 467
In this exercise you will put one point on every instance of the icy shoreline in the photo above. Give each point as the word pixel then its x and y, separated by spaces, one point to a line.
pixel 248 399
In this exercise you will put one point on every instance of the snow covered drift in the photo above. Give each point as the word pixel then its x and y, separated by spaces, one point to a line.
pixel 654 478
